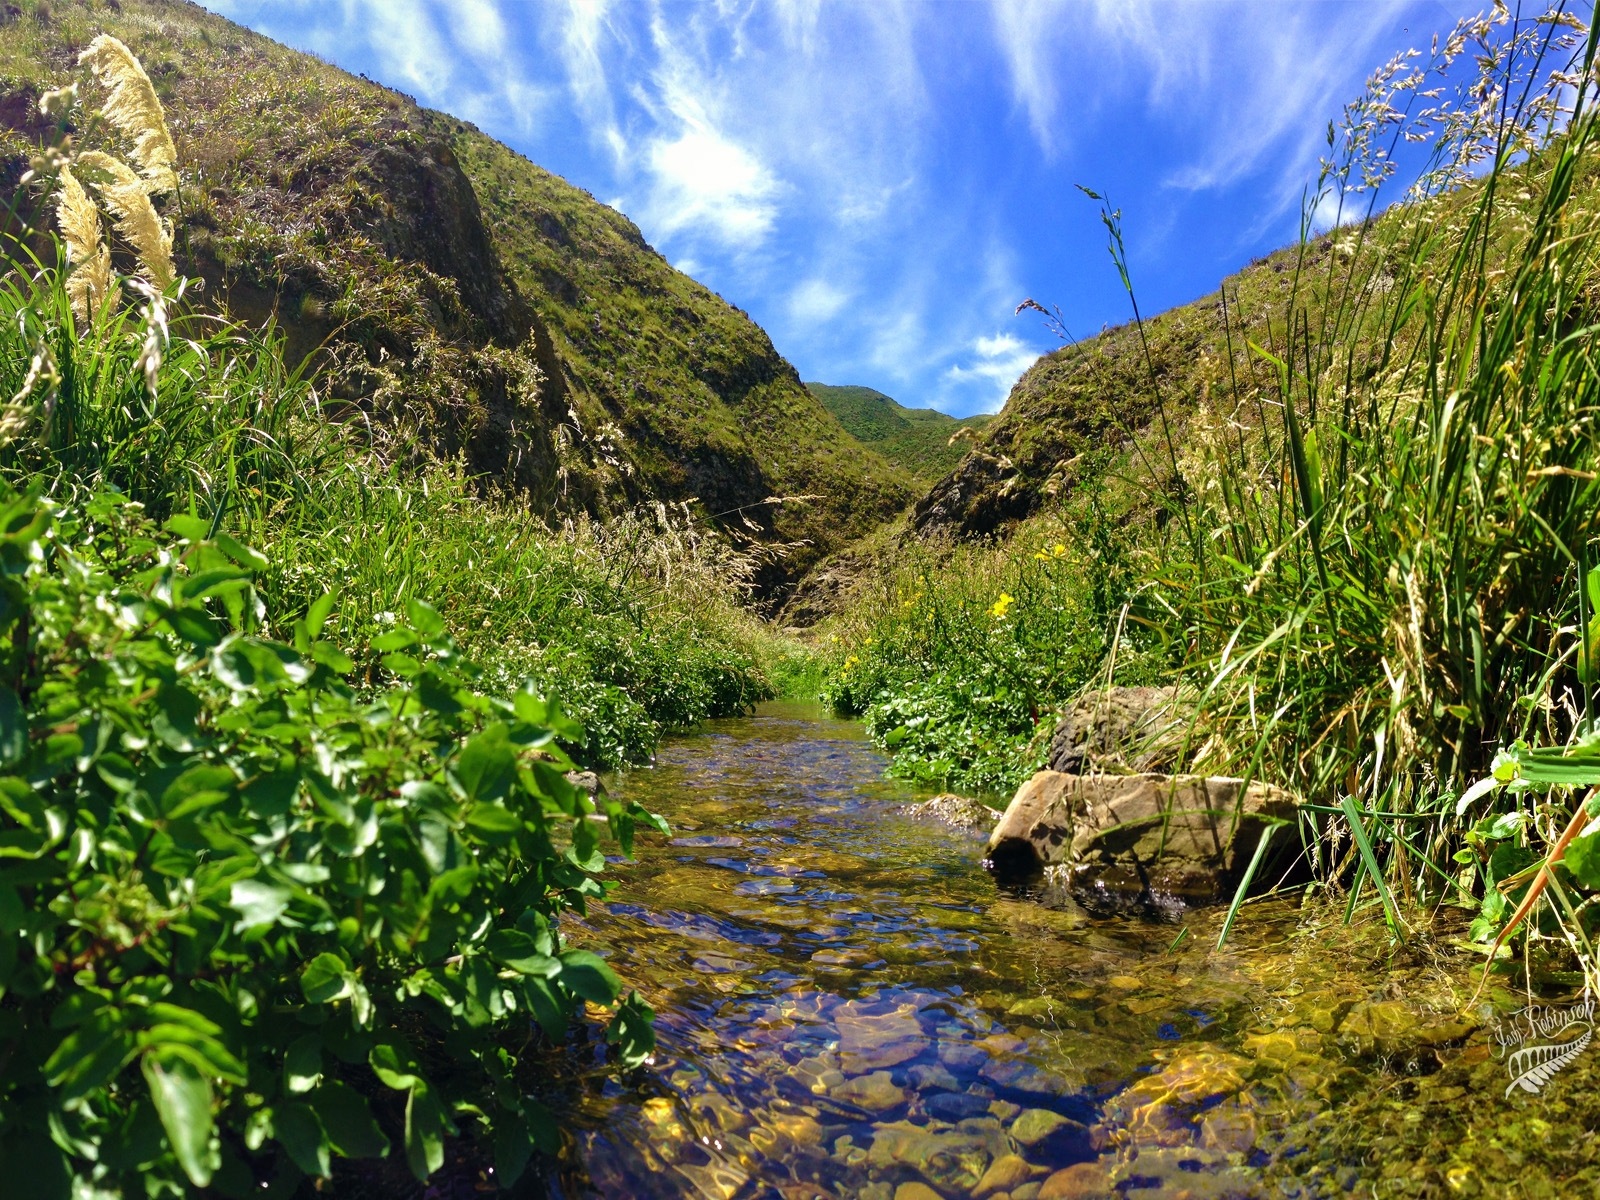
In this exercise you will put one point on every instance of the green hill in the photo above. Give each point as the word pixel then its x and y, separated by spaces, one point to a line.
pixel 470 304
pixel 923 441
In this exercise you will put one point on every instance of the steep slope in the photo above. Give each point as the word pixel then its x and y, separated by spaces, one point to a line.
pixel 467 302
pixel 923 441
pixel 1126 395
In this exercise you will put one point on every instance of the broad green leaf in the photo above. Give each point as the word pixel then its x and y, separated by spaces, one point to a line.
pixel 424 618
pixel 1583 860
pixel 485 763
pixel 426 1128
pixel 301 1134
pixel 395 639
pixel 302 1063
pixel 196 789
pixel 395 1066
pixel 585 974
pixel 205 1051
pixel 520 951
pixel 326 978
pixel 493 819
pixel 13 728
pixel 513 1147
pixel 182 1097
pixel 631 1031
pixel 258 903
pixel 348 1121
pixel 317 615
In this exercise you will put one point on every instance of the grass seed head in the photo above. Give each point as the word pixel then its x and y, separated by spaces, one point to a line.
pixel 137 220
pixel 134 108
pixel 87 254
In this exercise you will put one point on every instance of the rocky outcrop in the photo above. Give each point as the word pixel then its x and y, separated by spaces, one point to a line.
pixel 1131 838
pixel 1121 729
pixel 461 302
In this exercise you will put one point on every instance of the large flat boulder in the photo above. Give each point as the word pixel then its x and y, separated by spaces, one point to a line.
pixel 1137 837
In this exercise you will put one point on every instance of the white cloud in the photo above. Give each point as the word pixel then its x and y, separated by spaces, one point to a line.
pixel 816 301
pixel 477 27
pixel 1000 359
pixel 705 182
pixel 584 29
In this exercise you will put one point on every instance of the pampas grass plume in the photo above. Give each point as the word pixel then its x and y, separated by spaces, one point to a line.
pixel 134 108
pixel 87 254
pixel 137 220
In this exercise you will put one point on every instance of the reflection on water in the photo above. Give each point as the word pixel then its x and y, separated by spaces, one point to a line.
pixel 848 1008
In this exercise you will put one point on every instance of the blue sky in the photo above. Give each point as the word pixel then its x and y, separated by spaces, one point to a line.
pixel 879 183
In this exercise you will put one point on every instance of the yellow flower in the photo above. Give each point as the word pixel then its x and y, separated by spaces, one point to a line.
pixel 1006 600
pixel 1059 550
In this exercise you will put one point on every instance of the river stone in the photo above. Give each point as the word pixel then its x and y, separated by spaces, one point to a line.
pixel 871 1041
pixel 1166 1108
pixel 956 1106
pixel 955 1159
pixel 584 781
pixel 1080 1181
pixel 1390 1027
pixel 958 812
pixel 931 1077
pixel 916 1191
pixel 1137 837
pixel 1120 729
pixel 1004 1173
pixel 875 1092
pixel 1036 1124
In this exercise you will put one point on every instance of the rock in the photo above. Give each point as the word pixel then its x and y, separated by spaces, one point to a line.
pixel 1389 1027
pixel 931 1077
pixel 952 1160
pixel 956 1106
pixel 585 781
pixel 870 1041
pixel 1168 1107
pixel 1004 1173
pixel 1036 1124
pixel 1121 729
pixel 1080 1181
pixel 875 1092
pixel 916 1191
pixel 958 812
pixel 1137 838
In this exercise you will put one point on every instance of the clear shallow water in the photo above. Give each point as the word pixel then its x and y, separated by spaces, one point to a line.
pixel 847 1006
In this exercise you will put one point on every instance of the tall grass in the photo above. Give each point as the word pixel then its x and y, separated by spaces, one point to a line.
pixel 634 623
pixel 1395 521
pixel 1386 497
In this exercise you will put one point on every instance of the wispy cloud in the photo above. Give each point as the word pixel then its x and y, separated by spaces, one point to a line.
pixel 879 184
pixel 997 361
pixel 1248 86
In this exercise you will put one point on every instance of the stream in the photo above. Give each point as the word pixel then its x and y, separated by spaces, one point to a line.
pixel 847 1007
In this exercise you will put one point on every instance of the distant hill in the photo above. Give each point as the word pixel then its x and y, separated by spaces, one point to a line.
pixel 917 439
pixel 465 300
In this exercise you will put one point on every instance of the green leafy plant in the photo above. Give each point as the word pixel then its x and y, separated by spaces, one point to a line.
pixel 253 921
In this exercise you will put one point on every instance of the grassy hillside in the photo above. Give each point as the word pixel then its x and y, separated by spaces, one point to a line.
pixel 1347 505
pixel 917 439
pixel 472 303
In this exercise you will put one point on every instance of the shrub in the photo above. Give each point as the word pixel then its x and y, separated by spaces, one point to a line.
pixel 251 920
